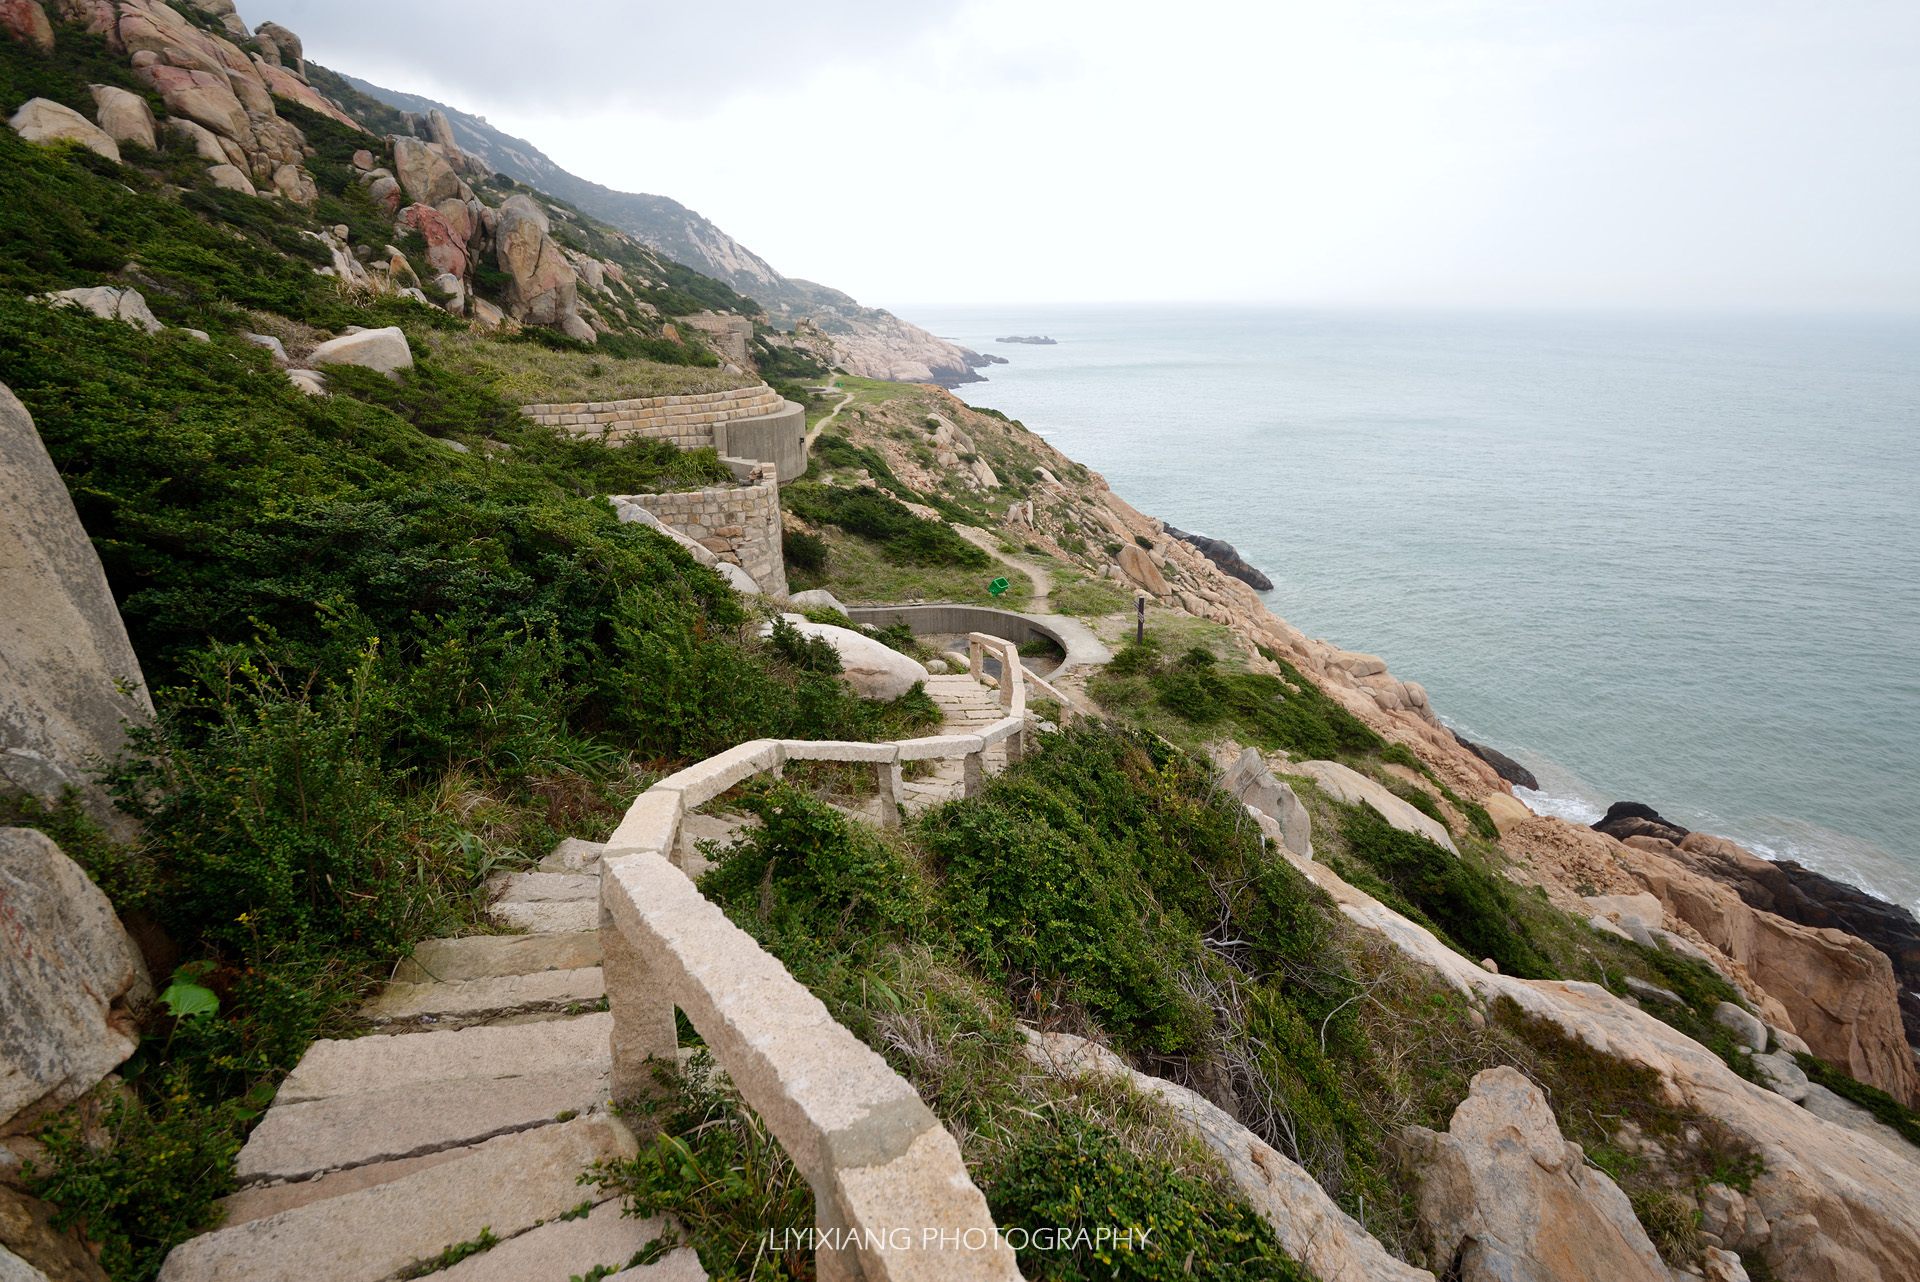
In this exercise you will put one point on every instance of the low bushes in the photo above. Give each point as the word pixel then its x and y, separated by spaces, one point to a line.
pixel 905 538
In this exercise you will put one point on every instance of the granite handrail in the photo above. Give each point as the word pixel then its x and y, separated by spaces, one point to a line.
pixel 892 1196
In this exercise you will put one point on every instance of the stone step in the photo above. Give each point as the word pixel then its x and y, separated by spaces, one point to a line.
pixel 574 1248
pixel 333 1067
pixel 475 1001
pixel 548 917
pixel 545 902
pixel 300 1141
pixel 574 855
pixel 488 956
pixel 506 1185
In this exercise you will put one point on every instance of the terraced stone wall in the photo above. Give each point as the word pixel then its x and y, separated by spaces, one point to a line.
pixel 740 524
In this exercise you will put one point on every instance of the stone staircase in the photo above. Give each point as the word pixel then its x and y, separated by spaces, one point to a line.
pixel 477 1111
pixel 481 1099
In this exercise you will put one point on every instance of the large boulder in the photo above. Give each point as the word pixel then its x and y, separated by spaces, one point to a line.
pixel 873 670
pixel 1140 568
pixel 110 302
pixel 383 349
pixel 1503 1198
pixel 205 97
pixel 1830 1205
pixel 1249 780
pixel 544 289
pixel 43 120
pixel 69 681
pixel 281 47
pixel 446 245
pixel 26 21
pixel 70 974
pixel 205 143
pixel 124 116
pixel 423 172
pixel 1354 788
pixel 1838 990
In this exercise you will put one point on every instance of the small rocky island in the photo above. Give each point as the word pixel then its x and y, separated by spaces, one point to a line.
pixel 1035 340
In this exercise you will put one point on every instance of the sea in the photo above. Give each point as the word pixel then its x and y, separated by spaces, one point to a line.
pixel 1666 558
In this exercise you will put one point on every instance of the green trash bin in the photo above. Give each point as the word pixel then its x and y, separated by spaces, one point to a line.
pixel 998 586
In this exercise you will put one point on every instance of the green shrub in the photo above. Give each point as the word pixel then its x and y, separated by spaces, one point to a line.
pixel 1876 1101
pixel 905 538
pixel 1468 905
pixel 716 1169
pixel 805 551
pixel 152 1185
pixel 1073 1182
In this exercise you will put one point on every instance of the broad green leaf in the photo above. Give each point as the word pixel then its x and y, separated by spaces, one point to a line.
pixel 185 1000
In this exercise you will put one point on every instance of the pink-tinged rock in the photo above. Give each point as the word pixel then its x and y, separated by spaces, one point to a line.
pixel 281 47
pixel 287 85
pixel 385 192
pixel 27 22
pixel 43 120
pixel 459 218
pixel 295 184
pixel 251 92
pixel 96 16
pixel 150 26
pixel 200 96
pixel 544 288
pixel 205 143
pixel 423 172
pixel 230 178
pixel 446 249
pixel 125 116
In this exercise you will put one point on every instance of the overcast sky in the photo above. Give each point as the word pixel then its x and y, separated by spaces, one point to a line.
pixel 1559 153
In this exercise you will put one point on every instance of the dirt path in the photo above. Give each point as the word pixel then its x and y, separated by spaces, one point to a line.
pixel 1042 578
pixel 822 424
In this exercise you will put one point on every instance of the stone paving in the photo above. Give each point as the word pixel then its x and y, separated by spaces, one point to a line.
pixel 481 1097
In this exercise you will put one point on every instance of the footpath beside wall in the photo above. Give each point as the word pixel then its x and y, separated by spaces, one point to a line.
pixel 739 524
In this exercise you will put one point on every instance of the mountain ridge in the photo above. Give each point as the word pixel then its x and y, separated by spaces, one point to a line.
pixel 868 341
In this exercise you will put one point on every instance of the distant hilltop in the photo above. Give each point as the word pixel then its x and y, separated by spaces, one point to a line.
pixel 1037 340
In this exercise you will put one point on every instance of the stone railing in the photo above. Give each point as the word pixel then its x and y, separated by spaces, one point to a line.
pixel 892 1196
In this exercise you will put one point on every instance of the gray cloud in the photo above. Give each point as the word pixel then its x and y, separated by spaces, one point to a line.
pixel 681 59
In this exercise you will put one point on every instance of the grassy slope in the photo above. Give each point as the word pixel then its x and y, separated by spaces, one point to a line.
pixel 384 668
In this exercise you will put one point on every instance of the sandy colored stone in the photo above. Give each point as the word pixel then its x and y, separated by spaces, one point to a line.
pixel 295 1141
pixel 68 674
pixel 547 917
pixel 333 1067
pixel 1504 1198
pixel 124 116
pixel 1506 810
pixel 1309 1226
pixel 385 350
pixel 425 175
pixel 572 1248
pixel 485 956
pixel 69 973
pixel 42 120
pixel 260 1201
pixel 1841 1207
pixel 477 999
pixel 505 1184
pixel 1355 788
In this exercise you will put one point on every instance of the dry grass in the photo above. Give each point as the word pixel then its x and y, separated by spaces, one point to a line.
pixel 528 374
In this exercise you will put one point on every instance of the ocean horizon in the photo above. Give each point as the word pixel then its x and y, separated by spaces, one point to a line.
pixel 1667 558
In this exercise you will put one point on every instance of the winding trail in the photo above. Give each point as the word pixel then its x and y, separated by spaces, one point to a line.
pixel 821 426
pixel 1042 578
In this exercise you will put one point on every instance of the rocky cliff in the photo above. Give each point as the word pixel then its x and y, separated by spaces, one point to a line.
pixel 864 341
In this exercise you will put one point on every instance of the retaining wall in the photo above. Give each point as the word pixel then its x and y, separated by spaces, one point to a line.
pixel 1075 639
pixel 748 422
pixel 740 524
